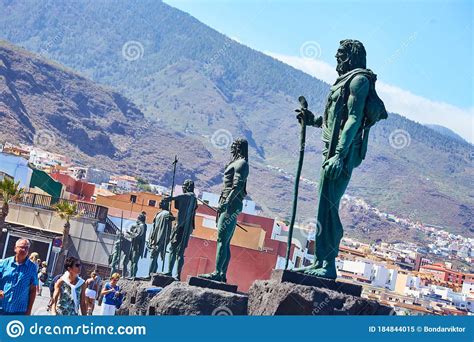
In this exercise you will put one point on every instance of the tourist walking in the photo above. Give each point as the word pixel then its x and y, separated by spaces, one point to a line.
pixel 70 291
pixel 18 281
pixel 42 277
pixel 112 296
pixel 92 287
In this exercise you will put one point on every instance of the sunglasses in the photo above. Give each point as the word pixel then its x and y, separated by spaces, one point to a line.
pixel 77 265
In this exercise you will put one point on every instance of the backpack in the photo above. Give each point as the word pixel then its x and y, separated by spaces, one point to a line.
pixel 43 277
pixel 53 282
pixel 374 109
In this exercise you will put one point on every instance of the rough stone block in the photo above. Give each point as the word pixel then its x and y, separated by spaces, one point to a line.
pixel 303 279
pixel 180 298
pixel 270 297
pixel 161 280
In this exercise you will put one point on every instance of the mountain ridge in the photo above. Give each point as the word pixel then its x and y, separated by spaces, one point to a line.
pixel 193 80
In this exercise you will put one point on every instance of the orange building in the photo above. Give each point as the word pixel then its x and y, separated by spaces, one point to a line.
pixel 442 273
pixel 131 204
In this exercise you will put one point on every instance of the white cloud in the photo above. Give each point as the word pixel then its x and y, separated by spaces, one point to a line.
pixel 236 39
pixel 396 100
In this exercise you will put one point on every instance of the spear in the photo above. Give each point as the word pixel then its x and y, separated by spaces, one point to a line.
pixel 303 110
pixel 169 208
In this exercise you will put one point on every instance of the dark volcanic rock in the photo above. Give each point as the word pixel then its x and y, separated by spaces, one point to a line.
pixel 304 279
pixel 212 284
pixel 183 299
pixel 161 280
pixel 133 291
pixel 270 297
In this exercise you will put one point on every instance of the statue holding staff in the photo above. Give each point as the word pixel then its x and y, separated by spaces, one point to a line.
pixel 186 204
pixel 352 108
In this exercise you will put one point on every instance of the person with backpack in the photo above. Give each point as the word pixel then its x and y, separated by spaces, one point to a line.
pixel 51 290
pixel 352 108
pixel 113 296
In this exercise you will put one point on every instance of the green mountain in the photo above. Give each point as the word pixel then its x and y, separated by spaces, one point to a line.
pixel 446 131
pixel 47 105
pixel 190 79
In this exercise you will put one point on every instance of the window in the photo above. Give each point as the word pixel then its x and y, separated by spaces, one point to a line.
pixel 133 198
pixel 152 203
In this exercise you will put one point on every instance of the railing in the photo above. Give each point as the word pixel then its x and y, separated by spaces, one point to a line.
pixel 84 209
pixel 111 227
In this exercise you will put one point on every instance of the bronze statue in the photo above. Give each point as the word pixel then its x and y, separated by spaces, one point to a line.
pixel 230 206
pixel 120 250
pixel 186 204
pixel 137 235
pixel 160 236
pixel 352 108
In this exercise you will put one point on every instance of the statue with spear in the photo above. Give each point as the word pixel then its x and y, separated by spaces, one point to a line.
pixel 186 203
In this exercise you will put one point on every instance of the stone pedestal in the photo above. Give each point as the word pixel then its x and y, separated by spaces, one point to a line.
pixel 183 299
pixel 282 295
pixel 135 296
pixel 212 284
pixel 303 279
pixel 161 280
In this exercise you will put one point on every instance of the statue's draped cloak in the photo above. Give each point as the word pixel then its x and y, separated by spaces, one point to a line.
pixel 161 233
pixel 186 205
pixel 138 235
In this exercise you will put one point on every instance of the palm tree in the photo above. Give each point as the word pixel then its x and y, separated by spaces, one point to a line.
pixel 66 210
pixel 9 191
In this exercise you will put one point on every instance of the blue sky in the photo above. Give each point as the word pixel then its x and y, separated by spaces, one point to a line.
pixel 423 48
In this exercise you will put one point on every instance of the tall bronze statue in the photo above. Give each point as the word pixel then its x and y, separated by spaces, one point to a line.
pixel 137 235
pixel 186 204
pixel 230 206
pixel 352 108
pixel 160 236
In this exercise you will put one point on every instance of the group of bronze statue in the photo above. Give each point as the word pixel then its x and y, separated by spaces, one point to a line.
pixel 352 108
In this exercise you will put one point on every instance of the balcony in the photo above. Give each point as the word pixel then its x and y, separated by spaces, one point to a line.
pixel 90 243
pixel 85 209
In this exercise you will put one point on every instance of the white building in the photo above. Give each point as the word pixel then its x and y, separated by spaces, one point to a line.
pixel 44 159
pixel 213 201
pixel 468 288
pixel 125 183
pixel 384 277
pixel 359 267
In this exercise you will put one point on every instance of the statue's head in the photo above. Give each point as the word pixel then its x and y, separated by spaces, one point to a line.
pixel 142 217
pixel 163 205
pixel 240 149
pixel 188 186
pixel 350 55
